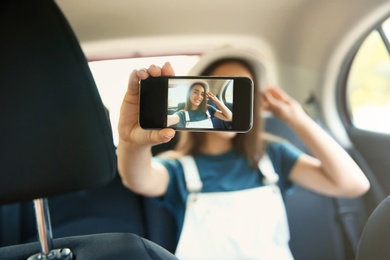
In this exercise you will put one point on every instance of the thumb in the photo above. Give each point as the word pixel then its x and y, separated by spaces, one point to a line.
pixel 165 135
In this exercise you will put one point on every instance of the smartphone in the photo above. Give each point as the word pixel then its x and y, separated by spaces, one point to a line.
pixel 186 103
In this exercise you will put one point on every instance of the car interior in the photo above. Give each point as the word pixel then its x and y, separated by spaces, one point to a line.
pixel 61 196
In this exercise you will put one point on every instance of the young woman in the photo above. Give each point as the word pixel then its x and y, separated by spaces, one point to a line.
pixel 221 186
pixel 196 112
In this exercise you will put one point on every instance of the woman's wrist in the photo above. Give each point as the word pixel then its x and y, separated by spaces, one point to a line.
pixel 298 120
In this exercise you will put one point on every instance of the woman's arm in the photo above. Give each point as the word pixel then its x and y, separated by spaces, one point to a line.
pixel 135 165
pixel 223 111
pixel 331 171
pixel 173 119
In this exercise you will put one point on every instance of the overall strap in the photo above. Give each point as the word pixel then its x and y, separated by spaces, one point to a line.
pixel 268 170
pixel 208 113
pixel 194 183
pixel 187 116
pixel 191 174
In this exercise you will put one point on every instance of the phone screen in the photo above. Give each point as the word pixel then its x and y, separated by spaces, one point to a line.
pixel 197 103
pixel 200 104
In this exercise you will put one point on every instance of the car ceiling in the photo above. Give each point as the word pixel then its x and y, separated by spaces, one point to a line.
pixel 305 41
pixel 290 26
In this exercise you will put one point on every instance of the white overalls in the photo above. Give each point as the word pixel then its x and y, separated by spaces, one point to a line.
pixel 206 123
pixel 244 224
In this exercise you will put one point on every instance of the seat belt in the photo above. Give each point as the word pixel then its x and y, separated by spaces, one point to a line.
pixel 346 210
pixel 347 214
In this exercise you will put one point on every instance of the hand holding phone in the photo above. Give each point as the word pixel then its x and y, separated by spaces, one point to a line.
pixel 196 103
pixel 128 127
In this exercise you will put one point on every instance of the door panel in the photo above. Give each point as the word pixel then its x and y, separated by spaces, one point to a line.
pixel 372 153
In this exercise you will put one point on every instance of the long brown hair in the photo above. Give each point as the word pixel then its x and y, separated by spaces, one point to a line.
pixel 248 144
pixel 203 104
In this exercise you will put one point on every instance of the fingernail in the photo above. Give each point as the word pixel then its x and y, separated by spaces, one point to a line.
pixel 167 138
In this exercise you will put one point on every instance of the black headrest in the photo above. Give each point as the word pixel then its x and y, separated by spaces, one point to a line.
pixel 54 134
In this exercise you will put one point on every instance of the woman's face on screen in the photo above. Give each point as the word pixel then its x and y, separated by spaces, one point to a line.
pixel 197 95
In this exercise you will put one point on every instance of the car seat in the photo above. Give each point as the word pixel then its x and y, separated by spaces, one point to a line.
pixel 374 241
pixel 55 135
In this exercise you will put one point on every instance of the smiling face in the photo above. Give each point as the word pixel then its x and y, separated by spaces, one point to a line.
pixel 197 96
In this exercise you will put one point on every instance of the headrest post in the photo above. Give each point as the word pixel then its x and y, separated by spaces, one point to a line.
pixel 44 225
pixel 45 234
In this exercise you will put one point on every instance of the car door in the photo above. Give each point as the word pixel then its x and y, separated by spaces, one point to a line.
pixel 364 103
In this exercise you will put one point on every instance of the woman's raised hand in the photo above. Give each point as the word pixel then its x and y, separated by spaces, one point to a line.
pixel 283 106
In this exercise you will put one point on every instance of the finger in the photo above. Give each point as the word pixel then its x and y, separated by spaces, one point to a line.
pixel 275 96
pixel 161 136
pixel 279 93
pixel 167 134
pixel 154 71
pixel 142 74
pixel 133 85
pixel 264 104
pixel 167 70
pixel 268 97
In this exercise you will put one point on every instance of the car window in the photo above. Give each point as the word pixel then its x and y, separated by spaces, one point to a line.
pixel 177 95
pixel 368 83
pixel 228 93
pixel 111 77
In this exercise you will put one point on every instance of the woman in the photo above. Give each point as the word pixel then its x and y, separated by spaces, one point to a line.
pixel 226 207
pixel 197 113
